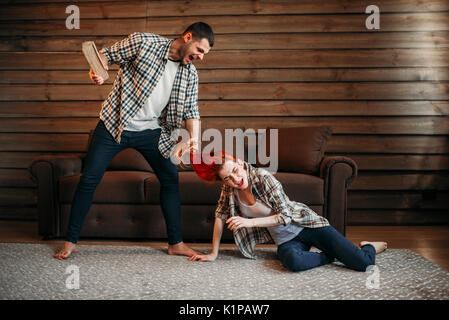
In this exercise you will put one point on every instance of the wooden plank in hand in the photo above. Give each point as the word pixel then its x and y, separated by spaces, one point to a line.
pixel 93 58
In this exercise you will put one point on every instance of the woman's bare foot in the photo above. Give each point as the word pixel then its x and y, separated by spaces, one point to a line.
pixel 379 246
pixel 182 249
pixel 66 250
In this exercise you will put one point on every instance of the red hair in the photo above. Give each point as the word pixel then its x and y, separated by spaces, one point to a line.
pixel 206 166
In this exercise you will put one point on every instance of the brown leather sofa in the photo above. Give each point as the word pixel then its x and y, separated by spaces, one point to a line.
pixel 126 202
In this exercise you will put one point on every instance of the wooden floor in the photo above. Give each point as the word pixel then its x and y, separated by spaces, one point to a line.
pixel 432 242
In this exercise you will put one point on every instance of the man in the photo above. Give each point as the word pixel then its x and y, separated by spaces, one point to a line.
pixel 156 88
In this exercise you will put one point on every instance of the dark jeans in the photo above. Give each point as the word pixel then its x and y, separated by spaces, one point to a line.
pixel 295 254
pixel 102 149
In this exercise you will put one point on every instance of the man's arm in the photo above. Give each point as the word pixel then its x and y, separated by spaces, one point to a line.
pixel 123 51
pixel 119 53
pixel 193 127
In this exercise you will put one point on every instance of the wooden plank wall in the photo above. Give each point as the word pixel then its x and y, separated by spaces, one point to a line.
pixel 279 63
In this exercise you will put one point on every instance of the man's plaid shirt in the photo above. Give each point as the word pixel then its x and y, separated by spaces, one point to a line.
pixel 268 189
pixel 142 58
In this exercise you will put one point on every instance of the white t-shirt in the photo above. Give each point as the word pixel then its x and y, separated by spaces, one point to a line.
pixel 280 233
pixel 146 117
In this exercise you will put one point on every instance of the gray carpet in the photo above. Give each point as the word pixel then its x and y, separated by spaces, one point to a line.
pixel 28 271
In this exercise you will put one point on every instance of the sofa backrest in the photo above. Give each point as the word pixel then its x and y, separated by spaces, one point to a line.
pixel 301 149
pixel 129 159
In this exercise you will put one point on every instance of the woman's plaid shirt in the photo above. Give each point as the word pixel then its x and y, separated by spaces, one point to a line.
pixel 142 58
pixel 268 189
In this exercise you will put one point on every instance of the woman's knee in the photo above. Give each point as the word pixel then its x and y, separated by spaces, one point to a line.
pixel 291 259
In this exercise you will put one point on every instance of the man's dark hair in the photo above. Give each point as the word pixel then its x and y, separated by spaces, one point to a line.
pixel 201 30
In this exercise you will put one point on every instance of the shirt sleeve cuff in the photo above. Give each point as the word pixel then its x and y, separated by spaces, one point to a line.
pixel 283 219
pixel 192 114
pixel 222 216
pixel 106 53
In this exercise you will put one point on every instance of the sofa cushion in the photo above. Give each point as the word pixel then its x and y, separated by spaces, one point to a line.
pixel 302 188
pixel 301 149
pixel 191 188
pixel 115 187
pixel 298 187
pixel 119 220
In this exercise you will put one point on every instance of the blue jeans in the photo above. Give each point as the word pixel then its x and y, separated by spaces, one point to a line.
pixel 102 149
pixel 295 254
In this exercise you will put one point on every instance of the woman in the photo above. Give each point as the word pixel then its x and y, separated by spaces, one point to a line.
pixel 257 210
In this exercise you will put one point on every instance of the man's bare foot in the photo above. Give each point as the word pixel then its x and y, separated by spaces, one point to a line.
pixel 379 246
pixel 181 249
pixel 66 250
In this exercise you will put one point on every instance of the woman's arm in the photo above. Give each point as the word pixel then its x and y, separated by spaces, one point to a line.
pixel 218 231
pixel 240 222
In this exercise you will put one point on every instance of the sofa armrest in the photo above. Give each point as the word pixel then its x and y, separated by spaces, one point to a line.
pixel 46 170
pixel 337 172
pixel 61 166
